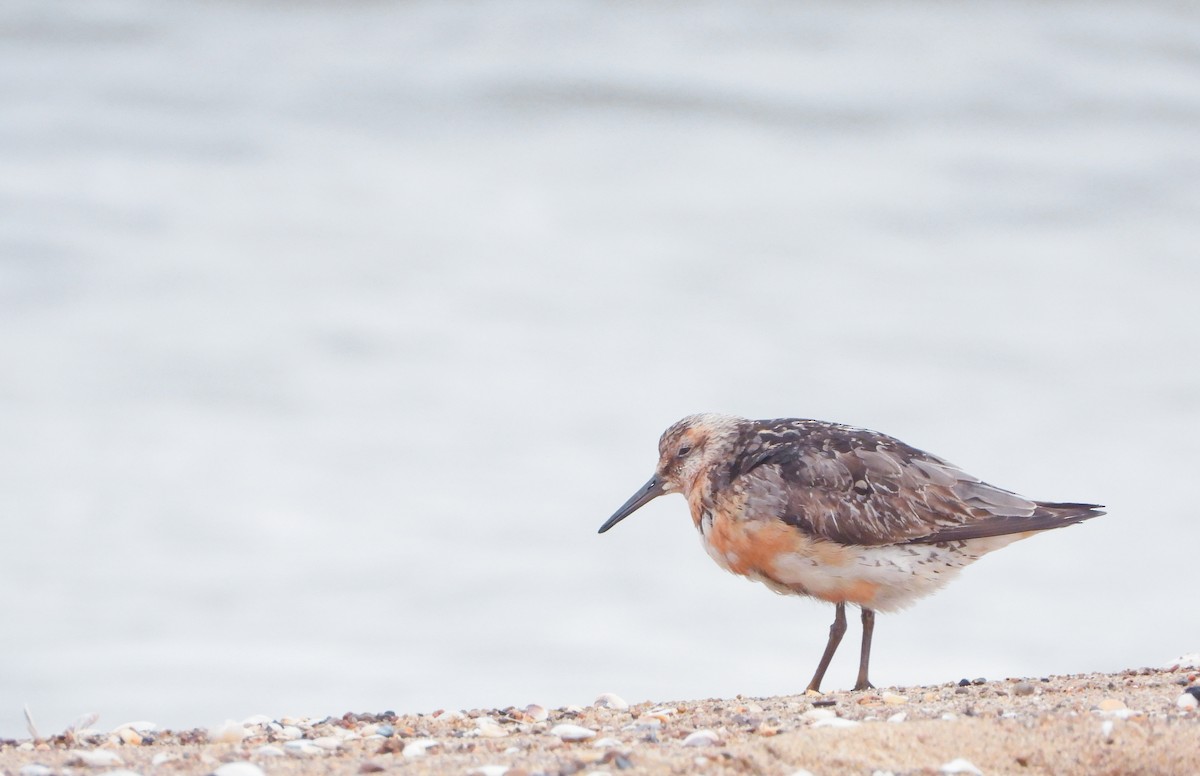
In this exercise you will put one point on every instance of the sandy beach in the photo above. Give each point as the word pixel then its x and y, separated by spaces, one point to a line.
pixel 1144 721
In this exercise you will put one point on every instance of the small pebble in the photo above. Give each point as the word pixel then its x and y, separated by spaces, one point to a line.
pixel 610 700
pixel 701 738
pixel 239 768
pixel 370 767
pixel 836 722
pixel 894 699
pixel 302 748
pixel 162 758
pixel 418 747
pixel 1188 700
pixel 960 766
pixel 605 743
pixel 489 770
pixel 569 732
pixel 387 731
pixel 328 743
pixel 267 750
pixel 899 716
pixel 35 769
pixel 815 715
pixel 1106 730
pixel 1023 688
pixel 290 733
pixel 1111 704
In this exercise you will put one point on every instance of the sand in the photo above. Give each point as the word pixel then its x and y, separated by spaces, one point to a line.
pixel 1138 721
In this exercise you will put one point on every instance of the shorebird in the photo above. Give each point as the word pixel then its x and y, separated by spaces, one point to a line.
pixel 842 514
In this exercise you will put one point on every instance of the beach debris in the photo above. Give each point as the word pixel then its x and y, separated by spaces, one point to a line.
pixel 94 758
pixel 419 747
pixel 569 732
pixel 32 728
pixel 228 732
pixel 960 765
pixel 238 768
pixel 610 700
pixel 702 738
pixel 135 733
pixel 489 728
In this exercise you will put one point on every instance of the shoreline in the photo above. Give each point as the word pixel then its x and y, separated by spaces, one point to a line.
pixel 1143 720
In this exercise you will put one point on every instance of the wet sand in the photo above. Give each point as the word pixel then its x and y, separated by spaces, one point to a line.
pixel 1142 721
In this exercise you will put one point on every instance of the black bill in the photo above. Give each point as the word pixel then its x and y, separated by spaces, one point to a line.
pixel 650 491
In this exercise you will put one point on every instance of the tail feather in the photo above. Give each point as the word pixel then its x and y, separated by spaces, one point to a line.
pixel 1046 516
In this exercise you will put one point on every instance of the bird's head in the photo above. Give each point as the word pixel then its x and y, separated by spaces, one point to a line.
pixel 685 451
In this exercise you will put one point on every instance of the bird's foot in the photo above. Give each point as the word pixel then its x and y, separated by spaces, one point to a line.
pixel 864 685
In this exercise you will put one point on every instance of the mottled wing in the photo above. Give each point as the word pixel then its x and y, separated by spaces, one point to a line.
pixel 855 486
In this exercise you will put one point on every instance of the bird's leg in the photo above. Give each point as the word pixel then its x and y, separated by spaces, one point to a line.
pixel 868 623
pixel 836 631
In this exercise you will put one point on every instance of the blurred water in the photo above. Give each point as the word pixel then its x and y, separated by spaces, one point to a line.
pixel 332 332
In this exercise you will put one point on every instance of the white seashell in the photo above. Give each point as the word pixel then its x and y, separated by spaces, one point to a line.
pixel 610 700
pixel 32 728
pixel 95 758
pixel 368 730
pixel 35 769
pixel 573 709
pixel 257 720
pixel 449 715
pixel 537 713
pixel 239 768
pixel 949 716
pixel 418 747
pixel 899 716
pixel 701 738
pixel 1190 660
pixel 228 732
pixel 328 743
pixel 1106 730
pixel 267 750
pixel 569 732
pixel 960 765
pixel 489 728
pixel 290 733
pixel 302 748
pixel 489 770
pixel 140 726
pixel 605 743
pixel 815 715
pixel 1187 701
pixel 836 722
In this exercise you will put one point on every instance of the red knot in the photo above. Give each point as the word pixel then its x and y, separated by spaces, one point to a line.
pixel 843 514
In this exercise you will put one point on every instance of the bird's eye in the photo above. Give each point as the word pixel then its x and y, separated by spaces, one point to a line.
pixel 685 450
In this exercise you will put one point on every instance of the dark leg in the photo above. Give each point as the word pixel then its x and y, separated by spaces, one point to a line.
pixel 835 637
pixel 868 621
